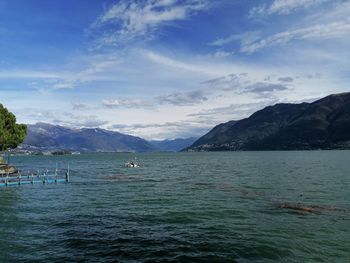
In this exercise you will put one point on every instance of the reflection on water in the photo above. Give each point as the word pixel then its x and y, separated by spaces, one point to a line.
pixel 182 207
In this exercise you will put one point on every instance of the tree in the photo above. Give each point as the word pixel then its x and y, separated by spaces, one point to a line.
pixel 11 134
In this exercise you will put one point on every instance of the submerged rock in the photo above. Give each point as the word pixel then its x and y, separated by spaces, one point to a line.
pixel 6 168
pixel 308 208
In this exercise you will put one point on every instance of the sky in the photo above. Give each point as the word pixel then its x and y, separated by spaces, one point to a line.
pixel 164 69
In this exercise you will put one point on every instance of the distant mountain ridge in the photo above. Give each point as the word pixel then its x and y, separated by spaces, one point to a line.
pixel 323 124
pixel 48 137
pixel 44 135
pixel 174 145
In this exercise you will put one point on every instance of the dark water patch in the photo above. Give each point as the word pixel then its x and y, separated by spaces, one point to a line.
pixel 121 177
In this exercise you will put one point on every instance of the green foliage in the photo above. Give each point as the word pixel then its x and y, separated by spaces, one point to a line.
pixel 11 134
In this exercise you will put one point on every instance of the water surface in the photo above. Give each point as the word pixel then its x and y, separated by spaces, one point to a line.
pixel 181 207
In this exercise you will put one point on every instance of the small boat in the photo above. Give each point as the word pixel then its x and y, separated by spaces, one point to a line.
pixel 132 164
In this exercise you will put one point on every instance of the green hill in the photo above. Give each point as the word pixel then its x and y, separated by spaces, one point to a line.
pixel 323 124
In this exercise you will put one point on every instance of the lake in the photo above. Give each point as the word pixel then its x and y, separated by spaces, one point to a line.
pixel 181 207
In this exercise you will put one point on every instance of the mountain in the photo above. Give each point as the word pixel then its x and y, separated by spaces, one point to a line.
pixel 47 136
pixel 323 124
pixel 173 145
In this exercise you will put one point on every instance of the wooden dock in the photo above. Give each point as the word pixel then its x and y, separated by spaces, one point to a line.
pixel 45 177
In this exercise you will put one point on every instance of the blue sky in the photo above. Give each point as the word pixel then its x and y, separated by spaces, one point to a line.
pixel 168 68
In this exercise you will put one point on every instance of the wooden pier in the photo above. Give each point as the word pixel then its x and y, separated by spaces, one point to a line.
pixel 45 177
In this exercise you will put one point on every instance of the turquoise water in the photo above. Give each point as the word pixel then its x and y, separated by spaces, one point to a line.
pixel 181 207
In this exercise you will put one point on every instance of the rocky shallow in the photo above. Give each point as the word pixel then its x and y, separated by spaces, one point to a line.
pixel 6 168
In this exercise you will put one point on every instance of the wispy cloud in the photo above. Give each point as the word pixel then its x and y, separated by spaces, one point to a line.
pixel 62 118
pixel 183 98
pixel 131 20
pixel 222 54
pixel 201 68
pixel 89 68
pixel 263 87
pixel 28 74
pixel 331 30
pixel 243 83
pixel 266 88
pixel 80 106
pixel 329 22
pixel 286 79
pixel 234 111
pixel 94 69
pixel 284 6
pixel 126 103
pixel 244 38
pixel 81 122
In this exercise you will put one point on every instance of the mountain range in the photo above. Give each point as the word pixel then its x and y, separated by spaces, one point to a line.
pixel 48 137
pixel 174 145
pixel 323 124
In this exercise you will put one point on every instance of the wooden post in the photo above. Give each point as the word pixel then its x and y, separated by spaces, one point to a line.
pixel 67 174
pixel 56 174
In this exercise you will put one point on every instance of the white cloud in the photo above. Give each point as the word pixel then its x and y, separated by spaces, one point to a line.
pixel 126 103
pixel 94 69
pixel 234 111
pixel 286 79
pixel 27 74
pixel 284 6
pixel 330 21
pixel 54 116
pixel 83 122
pixel 337 29
pixel 222 54
pixel 184 98
pixel 207 68
pixel 244 38
pixel 132 20
pixel 244 83
pixel 80 106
